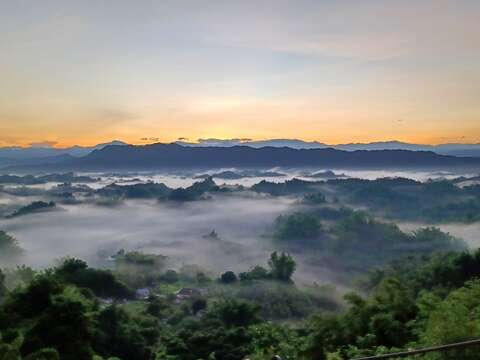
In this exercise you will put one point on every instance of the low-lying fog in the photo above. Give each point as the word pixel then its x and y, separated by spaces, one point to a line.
pixel 468 232
pixel 187 179
pixel 94 232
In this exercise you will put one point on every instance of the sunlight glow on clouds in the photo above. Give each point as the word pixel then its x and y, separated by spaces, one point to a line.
pixel 88 72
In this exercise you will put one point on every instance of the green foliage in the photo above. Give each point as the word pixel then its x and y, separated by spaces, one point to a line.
pixel 182 194
pixel 44 354
pixel 118 334
pixel 280 301
pixel 157 306
pixel 102 282
pixel 297 226
pixel 396 198
pixel 137 269
pixel 233 313
pixel 170 276
pixel 441 272
pixel 35 206
pixel 467 211
pixel 3 288
pixel 202 278
pixel 455 319
pixel 228 277
pixel 382 320
pixel 198 305
pixel 427 300
pixel 314 199
pixel 64 326
pixel 360 240
pixel 289 187
pixel 32 300
pixel 273 339
pixel 136 191
pixel 282 266
pixel 148 261
pixel 256 273
pixel 10 251
pixel 193 192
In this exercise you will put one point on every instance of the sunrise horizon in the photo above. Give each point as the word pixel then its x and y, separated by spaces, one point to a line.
pixel 335 72
pixel 234 141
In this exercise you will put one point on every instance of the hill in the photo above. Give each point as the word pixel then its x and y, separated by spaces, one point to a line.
pixel 174 156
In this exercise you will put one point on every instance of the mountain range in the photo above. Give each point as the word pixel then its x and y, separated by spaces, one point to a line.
pixel 174 156
pixel 213 153
pixel 456 149
pixel 15 155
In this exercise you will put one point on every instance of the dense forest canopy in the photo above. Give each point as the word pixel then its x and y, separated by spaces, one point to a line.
pixel 73 311
pixel 331 274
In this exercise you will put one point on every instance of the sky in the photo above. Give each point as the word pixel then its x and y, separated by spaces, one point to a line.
pixel 90 71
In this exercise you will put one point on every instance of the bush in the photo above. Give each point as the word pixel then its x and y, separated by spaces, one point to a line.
pixel 169 276
pixel 228 277
pixel 297 226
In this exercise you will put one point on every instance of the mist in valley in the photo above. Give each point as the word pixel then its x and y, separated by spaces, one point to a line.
pixel 94 233
pixel 242 222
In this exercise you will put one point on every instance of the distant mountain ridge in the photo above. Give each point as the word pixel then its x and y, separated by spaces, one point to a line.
pixel 456 149
pixel 15 155
pixel 291 143
pixel 173 156
pixel 281 152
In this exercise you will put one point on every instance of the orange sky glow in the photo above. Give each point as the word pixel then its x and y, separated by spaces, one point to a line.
pixel 334 72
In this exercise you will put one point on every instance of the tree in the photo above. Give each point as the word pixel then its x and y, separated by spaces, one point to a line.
pixel 228 277
pixel 234 313
pixel 65 326
pixel 315 198
pixel 156 306
pixel 170 276
pixel 455 319
pixel 102 282
pixel 34 299
pixel 297 226
pixel 71 266
pixel 3 289
pixel 118 334
pixel 202 278
pixel 198 305
pixel 10 251
pixel 257 273
pixel 44 354
pixel 282 266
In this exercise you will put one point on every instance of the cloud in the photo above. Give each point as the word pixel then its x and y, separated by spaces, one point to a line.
pixel 115 114
pixel 8 140
pixel 150 139
pixel 176 231
pixel 222 142
pixel 362 30
pixel 44 144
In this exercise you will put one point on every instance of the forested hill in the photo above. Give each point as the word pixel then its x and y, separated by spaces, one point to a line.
pixel 158 156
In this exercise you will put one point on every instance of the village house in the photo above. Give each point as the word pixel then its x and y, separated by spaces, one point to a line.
pixel 188 293
pixel 142 294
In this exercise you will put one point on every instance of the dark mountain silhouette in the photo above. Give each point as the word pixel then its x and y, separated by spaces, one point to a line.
pixel 174 156
pixel 455 149
pixel 55 159
pixel 31 153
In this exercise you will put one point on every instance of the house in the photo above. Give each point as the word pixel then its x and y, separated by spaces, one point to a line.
pixel 188 293
pixel 142 294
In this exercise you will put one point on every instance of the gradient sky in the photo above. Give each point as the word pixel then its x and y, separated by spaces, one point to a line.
pixel 84 72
